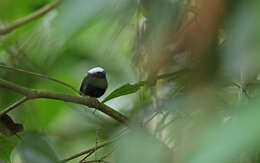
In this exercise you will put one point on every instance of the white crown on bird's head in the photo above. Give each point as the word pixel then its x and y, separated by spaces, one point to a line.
pixel 96 70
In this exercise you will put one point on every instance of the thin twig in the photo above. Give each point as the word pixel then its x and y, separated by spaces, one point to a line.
pixel 150 119
pixel 236 84
pixel 14 105
pixel 164 76
pixel 97 160
pixel 242 88
pixel 100 160
pixel 91 150
pixel 108 154
pixel 94 151
pixel 40 75
pixel 26 19
pixel 89 154
pixel 171 74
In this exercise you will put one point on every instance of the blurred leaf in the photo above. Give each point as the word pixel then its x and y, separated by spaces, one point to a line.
pixel 42 113
pixel 124 90
pixel 80 13
pixel 35 148
pixel 139 147
pixel 245 40
pixel 8 127
pixel 229 140
pixel 6 146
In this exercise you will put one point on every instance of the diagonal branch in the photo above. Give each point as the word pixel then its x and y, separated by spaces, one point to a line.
pixel 89 154
pixel 89 151
pixel 98 161
pixel 94 149
pixel 26 19
pixel 39 75
pixel 11 107
pixel 83 100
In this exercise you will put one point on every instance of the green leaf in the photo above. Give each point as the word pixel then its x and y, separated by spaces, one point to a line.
pixel 36 148
pixel 226 141
pixel 124 90
pixel 139 147
pixel 7 144
pixel 132 88
pixel 80 12
pixel 44 116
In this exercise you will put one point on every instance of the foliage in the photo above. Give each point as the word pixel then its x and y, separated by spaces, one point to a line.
pixel 7 145
pixel 193 64
pixel 123 90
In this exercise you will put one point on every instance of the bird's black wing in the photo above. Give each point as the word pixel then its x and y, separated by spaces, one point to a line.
pixel 83 86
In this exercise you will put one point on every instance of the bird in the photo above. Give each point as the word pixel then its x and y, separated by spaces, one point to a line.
pixel 95 83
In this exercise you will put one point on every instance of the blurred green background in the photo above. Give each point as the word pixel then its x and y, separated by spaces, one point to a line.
pixel 207 113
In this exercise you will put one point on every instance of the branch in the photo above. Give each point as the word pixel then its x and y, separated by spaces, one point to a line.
pixel 26 19
pixel 89 154
pixel 11 107
pixel 241 87
pixel 94 150
pixel 41 76
pixel 99 160
pixel 172 74
pixel 89 151
pixel 83 100
pixel 169 75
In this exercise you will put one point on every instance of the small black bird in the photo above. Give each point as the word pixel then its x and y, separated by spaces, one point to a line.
pixel 95 83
